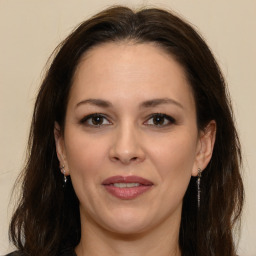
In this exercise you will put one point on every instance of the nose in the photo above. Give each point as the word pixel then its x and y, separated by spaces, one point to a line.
pixel 126 146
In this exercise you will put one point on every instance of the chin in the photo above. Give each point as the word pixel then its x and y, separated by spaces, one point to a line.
pixel 128 223
pixel 128 229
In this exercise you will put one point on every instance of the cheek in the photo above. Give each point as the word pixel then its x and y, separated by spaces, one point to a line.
pixel 85 156
pixel 174 160
pixel 174 157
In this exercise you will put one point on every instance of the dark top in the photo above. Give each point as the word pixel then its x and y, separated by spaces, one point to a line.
pixel 64 252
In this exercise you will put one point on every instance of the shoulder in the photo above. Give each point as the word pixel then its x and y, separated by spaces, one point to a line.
pixel 65 252
pixel 16 253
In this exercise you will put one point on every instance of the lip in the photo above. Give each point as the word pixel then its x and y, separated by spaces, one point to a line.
pixel 127 193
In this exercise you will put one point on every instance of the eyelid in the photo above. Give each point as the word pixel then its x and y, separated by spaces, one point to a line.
pixel 170 119
pixel 84 120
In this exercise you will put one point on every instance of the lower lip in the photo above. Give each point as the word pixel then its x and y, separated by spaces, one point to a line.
pixel 127 193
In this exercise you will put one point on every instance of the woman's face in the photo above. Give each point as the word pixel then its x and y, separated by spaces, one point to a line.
pixel 131 141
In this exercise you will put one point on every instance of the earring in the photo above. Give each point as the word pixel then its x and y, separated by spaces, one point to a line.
pixel 198 187
pixel 64 173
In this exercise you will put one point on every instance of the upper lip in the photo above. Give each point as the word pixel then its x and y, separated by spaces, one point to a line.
pixel 127 179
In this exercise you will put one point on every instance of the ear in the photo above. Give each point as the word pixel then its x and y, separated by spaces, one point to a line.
pixel 205 147
pixel 60 147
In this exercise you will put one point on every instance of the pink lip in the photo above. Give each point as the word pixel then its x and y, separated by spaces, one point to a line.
pixel 127 193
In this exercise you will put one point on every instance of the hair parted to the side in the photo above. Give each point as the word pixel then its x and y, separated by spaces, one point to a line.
pixel 47 217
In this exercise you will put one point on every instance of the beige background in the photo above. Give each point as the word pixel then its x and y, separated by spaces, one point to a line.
pixel 29 31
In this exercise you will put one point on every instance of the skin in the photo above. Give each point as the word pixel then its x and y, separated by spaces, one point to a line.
pixel 129 141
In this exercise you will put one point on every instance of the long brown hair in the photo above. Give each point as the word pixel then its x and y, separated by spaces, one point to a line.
pixel 47 217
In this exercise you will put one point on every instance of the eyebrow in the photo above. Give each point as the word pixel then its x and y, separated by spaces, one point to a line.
pixel 145 104
pixel 157 102
pixel 96 102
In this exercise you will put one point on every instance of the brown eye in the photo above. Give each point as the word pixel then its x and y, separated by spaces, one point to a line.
pixel 95 120
pixel 160 120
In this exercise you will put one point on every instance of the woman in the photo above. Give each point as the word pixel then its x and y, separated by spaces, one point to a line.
pixel 133 148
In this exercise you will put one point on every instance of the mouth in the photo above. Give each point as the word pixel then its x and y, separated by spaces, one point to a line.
pixel 127 187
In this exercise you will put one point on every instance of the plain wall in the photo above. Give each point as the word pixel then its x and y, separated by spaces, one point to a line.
pixel 30 30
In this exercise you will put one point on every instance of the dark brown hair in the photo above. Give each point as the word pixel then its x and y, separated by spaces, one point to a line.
pixel 47 217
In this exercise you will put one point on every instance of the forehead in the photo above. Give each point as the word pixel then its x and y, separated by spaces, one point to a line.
pixel 128 68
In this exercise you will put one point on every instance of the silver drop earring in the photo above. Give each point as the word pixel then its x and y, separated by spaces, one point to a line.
pixel 198 187
pixel 64 173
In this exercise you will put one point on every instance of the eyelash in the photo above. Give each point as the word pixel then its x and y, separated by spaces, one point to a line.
pixel 86 119
pixel 170 120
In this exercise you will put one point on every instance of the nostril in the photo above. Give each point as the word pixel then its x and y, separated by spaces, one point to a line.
pixel 125 160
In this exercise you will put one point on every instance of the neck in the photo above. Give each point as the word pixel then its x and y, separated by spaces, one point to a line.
pixel 162 240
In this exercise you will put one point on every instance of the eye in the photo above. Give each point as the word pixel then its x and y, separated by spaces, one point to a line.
pixel 160 119
pixel 96 120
